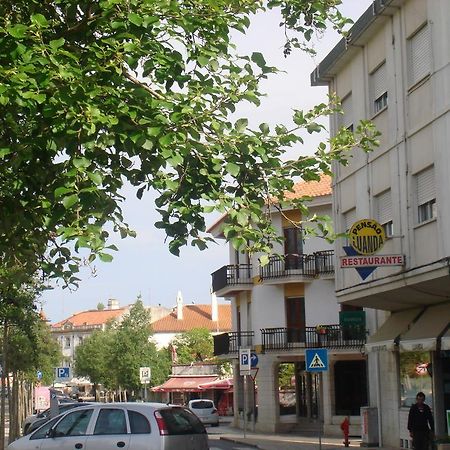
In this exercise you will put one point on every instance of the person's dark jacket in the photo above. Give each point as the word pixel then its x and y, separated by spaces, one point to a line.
pixel 420 421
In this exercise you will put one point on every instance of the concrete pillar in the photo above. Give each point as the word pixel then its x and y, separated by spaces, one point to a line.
pixel 438 395
pixel 268 401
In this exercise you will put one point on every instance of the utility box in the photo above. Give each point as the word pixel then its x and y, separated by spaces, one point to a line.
pixel 369 427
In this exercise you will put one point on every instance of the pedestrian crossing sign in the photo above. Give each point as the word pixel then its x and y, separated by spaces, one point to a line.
pixel 316 359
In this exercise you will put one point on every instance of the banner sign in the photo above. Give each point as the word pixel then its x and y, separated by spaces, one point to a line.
pixel 367 237
pixel 371 261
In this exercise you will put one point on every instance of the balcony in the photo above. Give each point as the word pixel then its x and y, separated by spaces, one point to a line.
pixel 229 280
pixel 230 343
pixel 323 336
pixel 293 268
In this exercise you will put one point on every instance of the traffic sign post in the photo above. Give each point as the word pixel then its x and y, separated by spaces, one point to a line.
pixel 145 375
pixel 245 366
pixel 316 361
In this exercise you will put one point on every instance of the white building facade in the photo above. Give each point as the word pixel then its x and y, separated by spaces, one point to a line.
pixel 279 310
pixel 394 68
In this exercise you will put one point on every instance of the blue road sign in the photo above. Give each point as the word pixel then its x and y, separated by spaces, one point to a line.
pixel 244 361
pixel 39 375
pixel 62 373
pixel 253 360
pixel 316 359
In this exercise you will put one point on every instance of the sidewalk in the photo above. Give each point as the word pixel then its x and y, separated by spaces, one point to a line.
pixel 282 441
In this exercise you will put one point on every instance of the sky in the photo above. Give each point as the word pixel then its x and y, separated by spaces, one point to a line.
pixel 144 266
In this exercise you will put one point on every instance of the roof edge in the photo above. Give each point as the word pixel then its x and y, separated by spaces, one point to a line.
pixel 321 75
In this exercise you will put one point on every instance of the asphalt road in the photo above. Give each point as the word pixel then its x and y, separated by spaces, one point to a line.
pixel 216 444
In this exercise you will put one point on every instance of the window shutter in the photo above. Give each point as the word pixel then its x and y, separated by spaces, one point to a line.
pixel 419 55
pixel 378 82
pixel 426 189
pixel 349 218
pixel 347 108
pixel 384 207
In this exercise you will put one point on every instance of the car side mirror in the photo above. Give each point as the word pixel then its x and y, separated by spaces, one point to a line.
pixel 50 433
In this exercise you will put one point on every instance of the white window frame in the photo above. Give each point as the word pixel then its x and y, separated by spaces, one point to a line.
pixel 350 213
pixel 384 211
pixel 419 55
pixel 378 89
pixel 346 118
pixel 425 184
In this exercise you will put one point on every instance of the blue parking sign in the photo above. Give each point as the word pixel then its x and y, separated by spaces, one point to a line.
pixel 316 359
pixel 62 373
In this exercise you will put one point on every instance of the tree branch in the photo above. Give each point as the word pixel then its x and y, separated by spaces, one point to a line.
pixel 142 85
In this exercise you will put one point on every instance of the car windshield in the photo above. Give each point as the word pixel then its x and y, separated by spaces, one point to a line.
pixel 202 404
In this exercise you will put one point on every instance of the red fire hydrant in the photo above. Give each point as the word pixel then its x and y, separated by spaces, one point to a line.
pixel 345 427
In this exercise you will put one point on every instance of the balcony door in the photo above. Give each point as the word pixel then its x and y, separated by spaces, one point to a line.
pixel 293 248
pixel 295 319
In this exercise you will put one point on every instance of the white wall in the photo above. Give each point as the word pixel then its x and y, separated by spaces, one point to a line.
pixel 321 306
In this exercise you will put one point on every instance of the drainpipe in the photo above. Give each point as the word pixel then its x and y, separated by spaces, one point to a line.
pixel 377 363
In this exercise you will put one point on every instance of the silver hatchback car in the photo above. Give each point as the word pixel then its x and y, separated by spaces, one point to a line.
pixel 128 426
pixel 205 410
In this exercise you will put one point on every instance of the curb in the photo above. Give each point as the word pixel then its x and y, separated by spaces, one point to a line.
pixel 238 441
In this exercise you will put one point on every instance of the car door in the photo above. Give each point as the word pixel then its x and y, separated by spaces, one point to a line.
pixel 143 437
pixel 110 430
pixel 70 432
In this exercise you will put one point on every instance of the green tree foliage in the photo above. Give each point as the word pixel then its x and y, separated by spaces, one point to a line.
pixel 92 358
pixel 113 357
pixel 286 371
pixel 96 93
pixel 194 346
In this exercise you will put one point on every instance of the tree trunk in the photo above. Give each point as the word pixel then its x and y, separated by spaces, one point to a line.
pixel 3 388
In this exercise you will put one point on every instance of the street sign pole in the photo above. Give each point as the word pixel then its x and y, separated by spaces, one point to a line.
pixel 245 406
pixel 145 391
pixel 319 409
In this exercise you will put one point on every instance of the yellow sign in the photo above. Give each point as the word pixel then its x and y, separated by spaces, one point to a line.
pixel 367 236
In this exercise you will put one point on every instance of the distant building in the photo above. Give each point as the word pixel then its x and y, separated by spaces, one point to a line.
pixel 214 317
pixel 70 332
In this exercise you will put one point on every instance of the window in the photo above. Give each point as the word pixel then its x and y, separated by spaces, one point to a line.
pixel 415 376
pixel 378 89
pixel 349 218
pixel 419 55
pixel 295 319
pixel 346 119
pixel 80 339
pixel 111 421
pixel 426 195
pixel 384 212
pixel 181 421
pixel 42 432
pixel 74 424
pixel 67 342
pixel 138 423
pixel 293 248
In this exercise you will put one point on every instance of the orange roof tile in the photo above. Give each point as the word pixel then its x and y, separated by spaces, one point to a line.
pixel 194 316
pixel 311 188
pixel 91 317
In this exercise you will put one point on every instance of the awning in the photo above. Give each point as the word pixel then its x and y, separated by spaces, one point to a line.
pixel 424 333
pixel 224 384
pixel 386 336
pixel 184 384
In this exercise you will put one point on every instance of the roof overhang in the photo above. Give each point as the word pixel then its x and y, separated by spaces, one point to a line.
pixel 360 33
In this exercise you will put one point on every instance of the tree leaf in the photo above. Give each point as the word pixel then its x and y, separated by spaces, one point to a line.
pixel 17 31
pixel 70 201
pixel 57 43
pixel 39 20
pixel 232 169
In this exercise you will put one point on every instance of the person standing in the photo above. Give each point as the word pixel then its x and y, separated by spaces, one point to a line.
pixel 420 423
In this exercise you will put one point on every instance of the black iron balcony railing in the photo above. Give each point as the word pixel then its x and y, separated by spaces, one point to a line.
pixel 327 336
pixel 226 343
pixel 231 275
pixel 310 266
